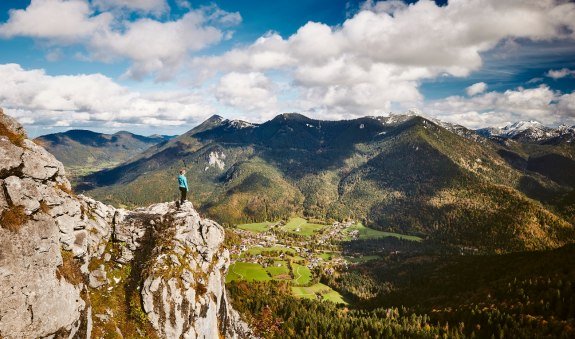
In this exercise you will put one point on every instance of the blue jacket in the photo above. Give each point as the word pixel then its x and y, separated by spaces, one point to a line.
pixel 183 182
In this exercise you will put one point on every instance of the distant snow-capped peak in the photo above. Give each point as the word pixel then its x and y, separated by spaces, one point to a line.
pixel 241 124
pixel 531 130
pixel 521 126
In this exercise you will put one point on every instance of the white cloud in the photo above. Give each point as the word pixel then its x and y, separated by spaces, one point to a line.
pixel 153 46
pixel 560 73
pixel 247 91
pixel 476 88
pixel 378 58
pixel 146 6
pixel 62 21
pixel 500 108
pixel 92 100
pixel 156 47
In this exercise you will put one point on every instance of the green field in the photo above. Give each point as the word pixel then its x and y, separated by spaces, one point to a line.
pixel 257 227
pixel 259 250
pixel 312 291
pixel 305 228
pixel 370 233
pixel 247 271
pixel 326 256
pixel 279 272
pixel 302 274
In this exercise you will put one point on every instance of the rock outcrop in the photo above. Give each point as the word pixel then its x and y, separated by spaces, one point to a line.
pixel 71 266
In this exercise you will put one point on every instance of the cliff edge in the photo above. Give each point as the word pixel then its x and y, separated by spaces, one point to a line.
pixel 74 267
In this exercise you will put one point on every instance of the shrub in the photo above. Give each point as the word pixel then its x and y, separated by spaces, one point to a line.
pixel 69 270
pixel 13 218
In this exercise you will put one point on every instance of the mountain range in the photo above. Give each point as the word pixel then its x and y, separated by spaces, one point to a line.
pixel 84 151
pixel 494 190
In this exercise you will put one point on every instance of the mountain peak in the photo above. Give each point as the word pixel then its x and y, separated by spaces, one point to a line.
pixel 215 118
pixel 292 116
pixel 523 125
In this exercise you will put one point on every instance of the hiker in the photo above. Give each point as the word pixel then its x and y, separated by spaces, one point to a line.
pixel 183 182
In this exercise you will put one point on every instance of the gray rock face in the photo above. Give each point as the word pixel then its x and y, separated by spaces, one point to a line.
pixel 50 238
pixel 11 124
pixel 10 156
pixel 38 163
pixel 186 280
pixel 34 301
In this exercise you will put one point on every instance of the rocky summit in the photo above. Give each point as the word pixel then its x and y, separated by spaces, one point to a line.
pixel 74 267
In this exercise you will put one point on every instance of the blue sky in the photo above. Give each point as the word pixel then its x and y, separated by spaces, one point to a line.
pixel 159 66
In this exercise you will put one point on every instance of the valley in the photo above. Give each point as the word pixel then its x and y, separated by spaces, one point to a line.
pixel 300 252
pixel 396 226
pixel 85 152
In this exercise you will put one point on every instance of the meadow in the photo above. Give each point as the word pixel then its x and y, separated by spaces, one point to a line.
pixel 302 227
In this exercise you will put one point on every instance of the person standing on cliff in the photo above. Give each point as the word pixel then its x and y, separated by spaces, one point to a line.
pixel 183 183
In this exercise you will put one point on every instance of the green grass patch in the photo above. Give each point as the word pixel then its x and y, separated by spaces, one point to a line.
pixel 247 271
pixel 316 291
pixel 279 270
pixel 257 227
pixel 302 227
pixel 269 250
pixel 326 256
pixel 302 274
pixel 370 233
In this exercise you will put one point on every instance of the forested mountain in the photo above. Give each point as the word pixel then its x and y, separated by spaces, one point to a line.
pixel 400 173
pixel 84 151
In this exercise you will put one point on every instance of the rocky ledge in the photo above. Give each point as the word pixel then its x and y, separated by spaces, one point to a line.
pixel 71 266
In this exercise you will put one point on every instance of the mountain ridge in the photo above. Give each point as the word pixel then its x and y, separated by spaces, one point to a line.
pixel 397 173
pixel 83 151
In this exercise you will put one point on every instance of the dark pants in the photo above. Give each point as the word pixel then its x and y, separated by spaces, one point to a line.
pixel 183 193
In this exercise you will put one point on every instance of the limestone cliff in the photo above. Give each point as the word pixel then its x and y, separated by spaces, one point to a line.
pixel 71 266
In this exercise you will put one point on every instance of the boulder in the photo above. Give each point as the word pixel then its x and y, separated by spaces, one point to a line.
pixel 97 278
pixel 10 157
pixel 23 192
pixel 38 163
pixel 11 124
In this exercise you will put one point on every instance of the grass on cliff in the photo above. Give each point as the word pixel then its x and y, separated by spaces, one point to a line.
pixel 13 218
pixel 70 269
pixel 117 306
pixel 15 138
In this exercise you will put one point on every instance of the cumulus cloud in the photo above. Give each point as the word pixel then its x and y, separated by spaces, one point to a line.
pixel 500 108
pixel 156 47
pixel 247 91
pixel 62 21
pixel 153 46
pixel 379 56
pixel 476 88
pixel 39 99
pixel 560 73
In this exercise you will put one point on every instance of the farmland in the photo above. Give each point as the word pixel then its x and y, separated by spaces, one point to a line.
pixel 300 252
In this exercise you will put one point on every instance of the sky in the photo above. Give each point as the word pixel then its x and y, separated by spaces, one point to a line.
pixel 164 66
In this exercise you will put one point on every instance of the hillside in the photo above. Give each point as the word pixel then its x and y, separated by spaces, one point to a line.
pixel 83 151
pixel 398 173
